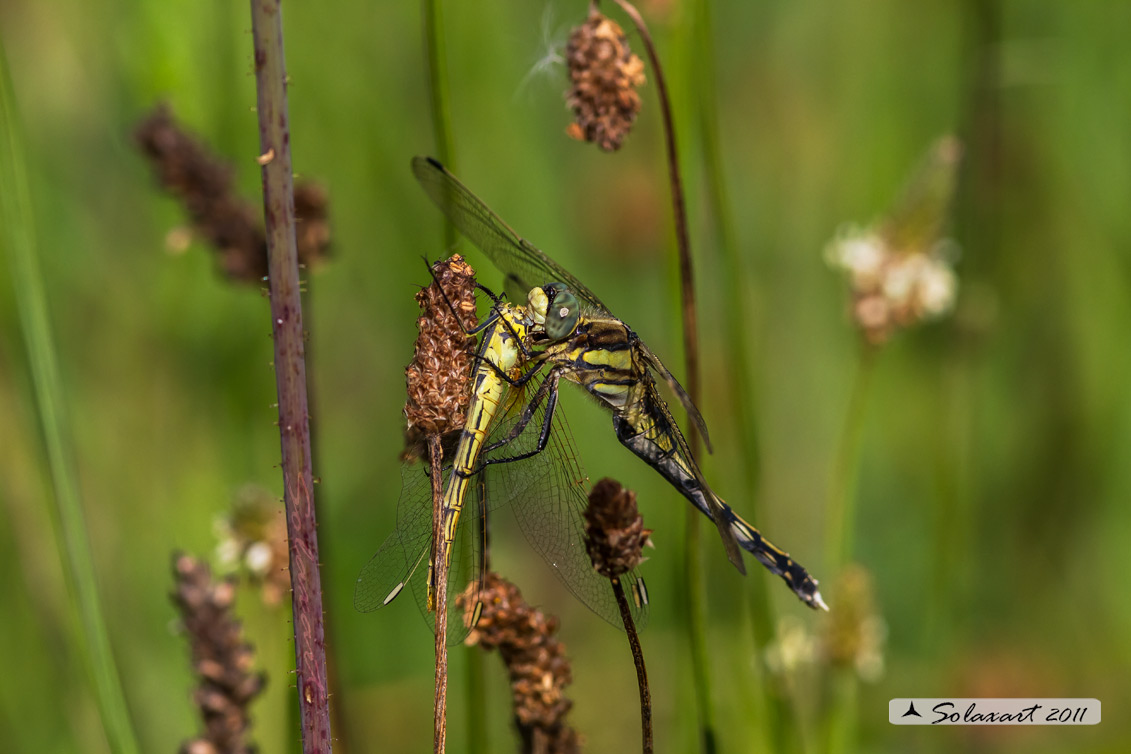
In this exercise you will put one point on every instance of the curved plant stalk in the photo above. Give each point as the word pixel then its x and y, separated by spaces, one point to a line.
pixel 290 374
pixel 841 511
pixel 780 715
pixel 17 239
pixel 438 98
pixel 696 589
pixel 440 102
pixel 641 669
pixel 841 516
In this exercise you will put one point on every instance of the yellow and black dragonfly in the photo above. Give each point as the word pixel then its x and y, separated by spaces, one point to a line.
pixel 582 341
pixel 498 460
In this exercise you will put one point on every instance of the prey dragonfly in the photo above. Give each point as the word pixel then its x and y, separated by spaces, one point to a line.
pixel 494 464
pixel 580 340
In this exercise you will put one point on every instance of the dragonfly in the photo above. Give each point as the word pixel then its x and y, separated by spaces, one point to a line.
pixel 580 340
pixel 541 481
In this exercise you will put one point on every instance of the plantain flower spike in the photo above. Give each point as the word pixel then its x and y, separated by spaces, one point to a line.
pixel 221 659
pixel 614 529
pixel 855 634
pixel 437 377
pixel 535 659
pixel 900 269
pixel 604 74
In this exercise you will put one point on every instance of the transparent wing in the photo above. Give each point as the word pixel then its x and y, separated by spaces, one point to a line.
pixel 664 424
pixel 692 411
pixel 523 266
pixel 403 559
pixel 548 493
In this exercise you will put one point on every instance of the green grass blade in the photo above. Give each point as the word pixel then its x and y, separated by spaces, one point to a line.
pixel 17 240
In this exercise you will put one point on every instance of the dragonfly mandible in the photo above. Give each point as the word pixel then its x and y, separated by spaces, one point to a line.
pixel 581 340
pixel 496 462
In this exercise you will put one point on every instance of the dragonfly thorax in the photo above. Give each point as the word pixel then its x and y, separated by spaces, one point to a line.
pixel 555 308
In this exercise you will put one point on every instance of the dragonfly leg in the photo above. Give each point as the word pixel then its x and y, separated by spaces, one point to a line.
pixel 502 374
pixel 548 390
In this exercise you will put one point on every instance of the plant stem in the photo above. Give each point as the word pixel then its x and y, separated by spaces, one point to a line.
pixel 843 713
pixel 439 585
pixel 17 239
pixel 780 715
pixel 641 670
pixel 290 374
pixel 696 591
pixel 841 511
pixel 445 152
pixel 841 515
pixel 438 98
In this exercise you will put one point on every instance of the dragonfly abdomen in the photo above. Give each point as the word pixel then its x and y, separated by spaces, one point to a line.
pixel 776 560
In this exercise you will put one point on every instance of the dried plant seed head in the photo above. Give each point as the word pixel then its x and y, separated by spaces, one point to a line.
pixel 604 75
pixel 204 185
pixel 536 662
pixel 437 378
pixel 221 659
pixel 614 532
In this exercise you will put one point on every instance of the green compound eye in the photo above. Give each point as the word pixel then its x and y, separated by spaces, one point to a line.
pixel 562 312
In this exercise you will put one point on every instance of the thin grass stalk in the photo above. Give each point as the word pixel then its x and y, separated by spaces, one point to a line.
pixel 842 719
pixel 439 99
pixel 17 239
pixel 841 511
pixel 696 589
pixel 290 374
pixel 440 567
pixel 641 669
pixel 780 714
pixel 440 102
pixel 841 515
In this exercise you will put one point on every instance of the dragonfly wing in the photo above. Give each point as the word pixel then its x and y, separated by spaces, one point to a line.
pixel 465 573
pixel 523 265
pixel 692 411
pixel 403 559
pixel 387 573
pixel 666 425
pixel 548 493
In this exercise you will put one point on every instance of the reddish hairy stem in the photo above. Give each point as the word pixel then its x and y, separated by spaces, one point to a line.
pixel 679 212
pixel 696 592
pixel 440 585
pixel 290 374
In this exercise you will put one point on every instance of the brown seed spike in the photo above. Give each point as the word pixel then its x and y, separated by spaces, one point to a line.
pixel 437 377
pixel 204 185
pixel 220 658
pixel 614 531
pixel 604 74
pixel 536 662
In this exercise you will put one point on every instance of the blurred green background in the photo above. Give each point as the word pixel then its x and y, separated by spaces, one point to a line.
pixel 994 474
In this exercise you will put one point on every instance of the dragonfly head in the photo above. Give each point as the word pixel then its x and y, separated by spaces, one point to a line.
pixel 555 308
